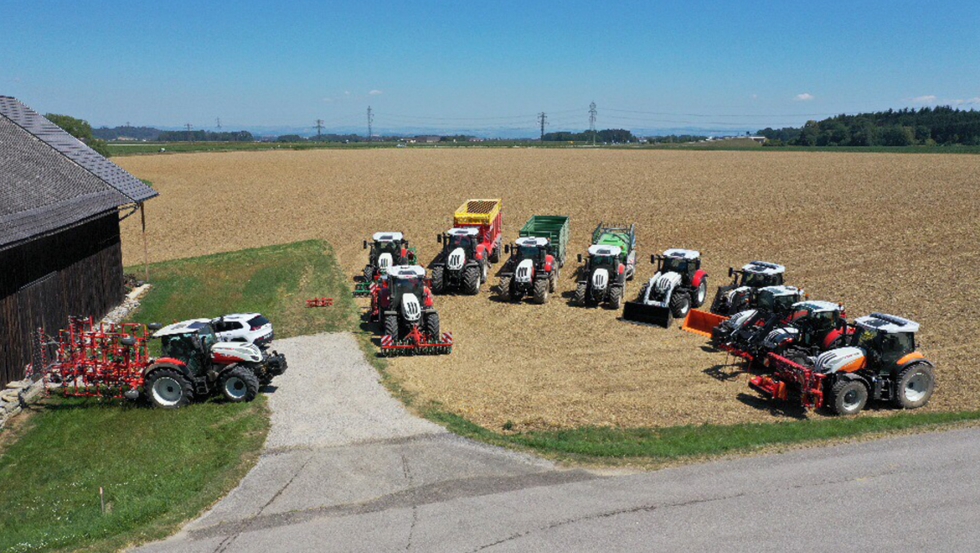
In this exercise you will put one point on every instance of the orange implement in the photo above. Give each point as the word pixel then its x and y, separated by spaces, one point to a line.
pixel 702 322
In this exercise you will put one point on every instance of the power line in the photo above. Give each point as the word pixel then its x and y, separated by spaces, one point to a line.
pixel 592 113
pixel 370 117
pixel 319 128
pixel 218 123
pixel 188 127
pixel 544 119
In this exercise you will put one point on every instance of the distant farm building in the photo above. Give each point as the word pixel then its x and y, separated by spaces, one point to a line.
pixel 60 207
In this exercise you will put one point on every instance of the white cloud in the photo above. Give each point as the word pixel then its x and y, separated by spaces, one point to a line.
pixel 805 97
pixel 374 92
pixel 927 99
pixel 969 101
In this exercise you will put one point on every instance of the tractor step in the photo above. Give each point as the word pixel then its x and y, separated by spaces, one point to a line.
pixel 701 322
pixel 650 315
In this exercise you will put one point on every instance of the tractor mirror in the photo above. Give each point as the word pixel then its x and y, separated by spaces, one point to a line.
pixel 365 244
pixel 579 258
pixel 154 326
pixel 506 248
pixel 731 272
pixel 439 238
pixel 653 258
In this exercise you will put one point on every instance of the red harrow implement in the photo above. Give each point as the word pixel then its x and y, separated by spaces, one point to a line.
pixel 104 360
pixel 415 343
pixel 791 379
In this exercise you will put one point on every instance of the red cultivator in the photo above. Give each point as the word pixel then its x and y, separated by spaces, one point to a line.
pixel 416 342
pixel 104 360
pixel 791 378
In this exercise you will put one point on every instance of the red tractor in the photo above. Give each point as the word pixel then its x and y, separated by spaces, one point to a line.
pixel 403 304
pixel 468 248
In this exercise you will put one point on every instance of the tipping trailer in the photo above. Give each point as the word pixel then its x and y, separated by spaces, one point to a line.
pixel 469 247
pixel 536 259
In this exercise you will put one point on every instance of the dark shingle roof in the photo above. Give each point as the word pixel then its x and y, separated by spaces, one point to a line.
pixel 49 180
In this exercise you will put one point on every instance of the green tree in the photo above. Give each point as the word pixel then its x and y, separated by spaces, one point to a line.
pixel 80 129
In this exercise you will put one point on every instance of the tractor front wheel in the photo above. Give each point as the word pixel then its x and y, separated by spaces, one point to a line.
pixel 541 290
pixel 579 297
pixel 680 304
pixel 239 385
pixel 432 327
pixel 471 280
pixel 438 282
pixel 495 255
pixel 391 326
pixel 701 293
pixel 369 274
pixel 504 288
pixel 848 397
pixel 615 297
pixel 914 386
pixel 168 389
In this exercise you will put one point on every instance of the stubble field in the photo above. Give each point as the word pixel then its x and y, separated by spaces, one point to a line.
pixel 880 232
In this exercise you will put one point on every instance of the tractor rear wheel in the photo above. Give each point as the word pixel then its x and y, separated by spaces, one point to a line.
pixel 914 386
pixel 239 385
pixel 848 397
pixel 680 304
pixel 438 282
pixel 168 389
pixel 495 255
pixel 391 326
pixel 700 294
pixel 432 327
pixel 541 290
pixel 579 298
pixel 471 280
pixel 615 297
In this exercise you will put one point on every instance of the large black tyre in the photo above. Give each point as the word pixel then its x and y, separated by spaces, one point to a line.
pixel 239 385
pixel 504 288
pixel 438 280
pixel 391 326
pixel 553 281
pixel 579 297
pixel 471 280
pixel 432 326
pixel 369 273
pixel 700 294
pixel 680 304
pixel 168 389
pixel 495 255
pixel 914 386
pixel 848 397
pixel 484 272
pixel 615 297
pixel 541 290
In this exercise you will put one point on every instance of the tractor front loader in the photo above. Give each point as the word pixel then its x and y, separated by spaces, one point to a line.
pixel 678 285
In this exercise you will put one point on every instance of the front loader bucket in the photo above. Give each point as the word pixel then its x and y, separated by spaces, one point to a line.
pixel 641 313
pixel 702 322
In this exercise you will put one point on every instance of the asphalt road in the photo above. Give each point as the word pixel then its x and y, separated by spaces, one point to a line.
pixel 351 470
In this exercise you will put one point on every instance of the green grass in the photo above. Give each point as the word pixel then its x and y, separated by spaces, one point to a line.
pixel 605 445
pixel 275 281
pixel 158 468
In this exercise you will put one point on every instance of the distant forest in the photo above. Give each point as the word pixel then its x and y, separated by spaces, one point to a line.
pixel 156 135
pixel 606 135
pixel 904 127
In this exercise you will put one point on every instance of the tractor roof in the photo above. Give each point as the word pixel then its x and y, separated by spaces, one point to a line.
pixel 531 241
pixel 406 271
pixel 764 268
pixel 817 306
pixel 682 254
pixel 463 231
pixel 183 327
pixel 780 291
pixel 387 237
pixel 600 249
pixel 236 317
pixel 887 323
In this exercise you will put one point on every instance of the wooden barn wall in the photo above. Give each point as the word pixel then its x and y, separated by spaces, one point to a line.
pixel 74 272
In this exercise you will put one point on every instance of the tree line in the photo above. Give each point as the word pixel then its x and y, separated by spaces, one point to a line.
pixel 905 127
pixel 606 135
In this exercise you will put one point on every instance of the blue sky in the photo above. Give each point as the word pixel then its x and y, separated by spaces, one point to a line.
pixel 713 65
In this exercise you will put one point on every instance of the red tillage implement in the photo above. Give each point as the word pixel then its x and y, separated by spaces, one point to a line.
pixel 104 360
pixel 416 342
pixel 320 302
pixel 791 378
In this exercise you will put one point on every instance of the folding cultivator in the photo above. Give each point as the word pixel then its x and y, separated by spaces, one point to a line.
pixel 104 360
pixel 791 379
pixel 415 343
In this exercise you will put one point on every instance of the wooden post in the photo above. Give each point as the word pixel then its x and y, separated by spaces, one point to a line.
pixel 146 255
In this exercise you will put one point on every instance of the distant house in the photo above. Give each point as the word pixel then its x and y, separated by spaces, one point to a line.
pixel 60 206
pixel 428 139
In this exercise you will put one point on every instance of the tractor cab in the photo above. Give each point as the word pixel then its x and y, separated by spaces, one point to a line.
pixel 778 299
pixel 188 341
pixel 758 274
pixel 388 249
pixel 466 238
pixel 886 339
pixel 406 280
pixel 530 247
pixel 683 262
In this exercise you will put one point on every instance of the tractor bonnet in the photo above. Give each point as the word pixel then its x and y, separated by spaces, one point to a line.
pixel 600 278
pixel 832 361
pixel 525 270
pixel 456 260
pixel 411 309
pixel 387 237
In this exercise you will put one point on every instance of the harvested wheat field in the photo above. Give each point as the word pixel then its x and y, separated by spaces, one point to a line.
pixel 880 232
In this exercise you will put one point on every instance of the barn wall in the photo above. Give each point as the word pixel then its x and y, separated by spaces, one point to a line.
pixel 74 272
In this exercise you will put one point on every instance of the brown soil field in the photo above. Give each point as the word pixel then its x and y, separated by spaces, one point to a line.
pixel 880 232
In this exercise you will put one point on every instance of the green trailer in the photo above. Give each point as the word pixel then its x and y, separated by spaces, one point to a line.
pixel 536 259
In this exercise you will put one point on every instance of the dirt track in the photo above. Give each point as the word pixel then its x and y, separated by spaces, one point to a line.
pixel 881 232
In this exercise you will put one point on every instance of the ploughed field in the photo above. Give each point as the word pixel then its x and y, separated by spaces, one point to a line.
pixel 880 232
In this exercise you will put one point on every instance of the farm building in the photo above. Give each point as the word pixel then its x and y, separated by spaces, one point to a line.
pixel 60 206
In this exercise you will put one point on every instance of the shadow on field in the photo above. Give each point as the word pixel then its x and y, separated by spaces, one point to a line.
pixel 775 408
pixel 726 372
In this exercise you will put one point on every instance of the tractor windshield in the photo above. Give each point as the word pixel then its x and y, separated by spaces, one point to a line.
pixel 756 280
pixel 389 246
pixel 462 241
pixel 405 285
pixel 606 261
pixel 528 252
pixel 864 337
pixel 676 264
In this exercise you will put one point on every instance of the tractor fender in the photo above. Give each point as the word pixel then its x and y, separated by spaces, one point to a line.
pixel 549 261
pixel 831 337
pixel 698 277
pixel 168 363
pixel 480 249
pixel 427 298
pixel 910 358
